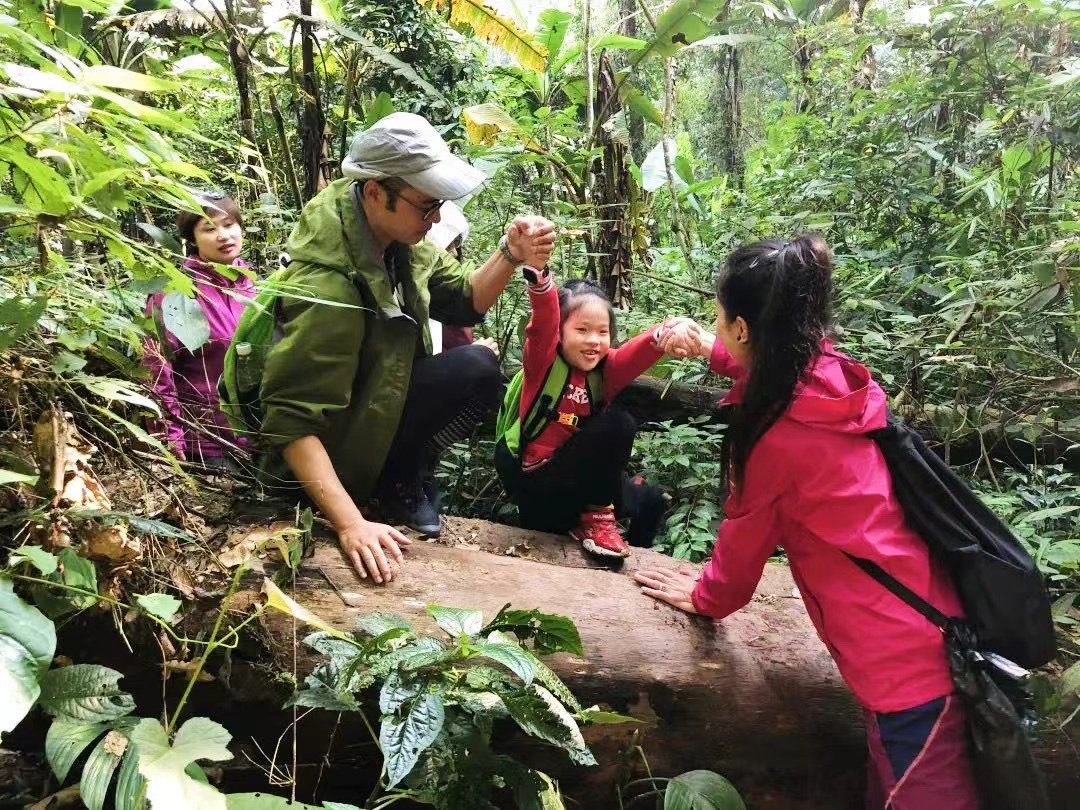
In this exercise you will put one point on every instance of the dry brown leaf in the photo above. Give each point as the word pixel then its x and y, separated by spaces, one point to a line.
pixel 186 667
pixel 243 544
pixel 113 543
pixel 182 579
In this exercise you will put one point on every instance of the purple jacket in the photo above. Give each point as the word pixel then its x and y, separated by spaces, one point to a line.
pixel 186 381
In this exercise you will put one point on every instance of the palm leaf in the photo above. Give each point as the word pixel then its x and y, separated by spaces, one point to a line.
pixel 495 29
pixel 683 22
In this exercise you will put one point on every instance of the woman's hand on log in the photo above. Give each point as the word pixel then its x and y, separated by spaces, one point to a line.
pixel 673 587
pixel 373 549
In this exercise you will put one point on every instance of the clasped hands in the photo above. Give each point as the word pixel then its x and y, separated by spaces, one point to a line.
pixel 681 337
pixel 531 240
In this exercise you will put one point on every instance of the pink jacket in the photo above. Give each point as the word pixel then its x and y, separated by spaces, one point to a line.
pixel 186 382
pixel 817 486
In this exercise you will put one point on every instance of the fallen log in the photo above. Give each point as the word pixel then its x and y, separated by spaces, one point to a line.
pixel 755 697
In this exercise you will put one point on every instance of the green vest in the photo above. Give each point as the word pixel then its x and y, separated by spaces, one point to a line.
pixel 515 432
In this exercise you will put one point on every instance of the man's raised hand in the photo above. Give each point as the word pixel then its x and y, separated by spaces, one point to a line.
pixel 531 240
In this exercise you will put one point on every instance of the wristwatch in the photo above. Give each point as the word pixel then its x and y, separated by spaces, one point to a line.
pixel 534 276
pixel 504 249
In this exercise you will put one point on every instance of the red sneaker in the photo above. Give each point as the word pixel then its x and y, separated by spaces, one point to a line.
pixel 599 535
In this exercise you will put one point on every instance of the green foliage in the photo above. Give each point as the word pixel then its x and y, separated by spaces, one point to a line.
pixel 27 644
pixel 439 703
pixel 84 693
pixel 701 790
pixel 685 460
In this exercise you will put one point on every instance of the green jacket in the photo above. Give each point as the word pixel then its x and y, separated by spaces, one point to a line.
pixel 342 373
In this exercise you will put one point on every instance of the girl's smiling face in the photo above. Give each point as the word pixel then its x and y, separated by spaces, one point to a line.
pixel 586 334
pixel 219 238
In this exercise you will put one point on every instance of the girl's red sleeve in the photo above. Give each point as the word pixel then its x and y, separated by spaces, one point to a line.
pixel 541 341
pixel 629 361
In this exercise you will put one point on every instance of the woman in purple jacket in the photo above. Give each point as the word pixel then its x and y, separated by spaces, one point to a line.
pixel 184 371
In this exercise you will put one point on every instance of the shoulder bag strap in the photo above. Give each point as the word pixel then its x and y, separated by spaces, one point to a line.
pixel 902 592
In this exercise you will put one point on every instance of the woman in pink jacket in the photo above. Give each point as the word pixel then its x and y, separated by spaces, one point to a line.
pixel 804 475
pixel 184 375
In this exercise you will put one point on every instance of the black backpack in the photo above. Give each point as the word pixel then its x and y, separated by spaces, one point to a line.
pixel 1001 588
pixel 1007 614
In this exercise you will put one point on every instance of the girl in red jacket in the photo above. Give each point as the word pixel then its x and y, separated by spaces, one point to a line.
pixel 804 475
pixel 572 475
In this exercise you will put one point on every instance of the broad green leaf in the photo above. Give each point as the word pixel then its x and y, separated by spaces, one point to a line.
pixel 322 697
pixel 500 31
pixel 33 79
pixel 501 649
pixel 185 318
pixel 403 740
pixel 18 316
pixel 549 632
pixel 111 389
pixel 619 42
pixel 378 623
pixel 98 771
pixel 65 741
pixel 276 599
pixel 161 237
pixel 85 693
pixel 535 790
pixel 100 180
pixel 107 76
pixel 46 190
pixel 457 621
pixel 1069 685
pixel 168 786
pixel 396 689
pixel 44 561
pixel 701 790
pixel 640 103
pixel 382 106
pixel 1048 514
pixel 27 645
pixel 161 605
pixel 680 24
pixel 540 714
pixel 64 362
pixel 600 718
pixel 554 683
pixel 552 25
pixel 129 782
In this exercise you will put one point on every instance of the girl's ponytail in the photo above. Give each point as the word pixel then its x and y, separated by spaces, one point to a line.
pixel 783 290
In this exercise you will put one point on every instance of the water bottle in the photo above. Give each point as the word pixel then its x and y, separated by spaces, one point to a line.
pixel 247 376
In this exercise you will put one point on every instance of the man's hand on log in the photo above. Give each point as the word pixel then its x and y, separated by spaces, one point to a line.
pixel 373 548
pixel 673 587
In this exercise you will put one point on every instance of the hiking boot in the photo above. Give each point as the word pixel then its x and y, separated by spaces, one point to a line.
pixel 434 493
pixel 411 505
pixel 598 534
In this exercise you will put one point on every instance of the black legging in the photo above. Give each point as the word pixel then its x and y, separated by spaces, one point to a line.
pixel 449 395
pixel 589 470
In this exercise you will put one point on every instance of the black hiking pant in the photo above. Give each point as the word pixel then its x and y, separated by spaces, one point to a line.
pixel 449 395
pixel 589 470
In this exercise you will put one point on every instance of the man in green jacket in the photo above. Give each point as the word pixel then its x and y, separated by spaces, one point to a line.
pixel 351 396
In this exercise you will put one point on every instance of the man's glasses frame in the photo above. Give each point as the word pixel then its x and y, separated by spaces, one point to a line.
pixel 427 212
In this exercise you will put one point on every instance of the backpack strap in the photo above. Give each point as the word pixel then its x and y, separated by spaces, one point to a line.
pixel 903 592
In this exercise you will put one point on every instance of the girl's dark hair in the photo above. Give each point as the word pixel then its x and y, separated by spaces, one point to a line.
pixel 575 292
pixel 783 290
pixel 214 203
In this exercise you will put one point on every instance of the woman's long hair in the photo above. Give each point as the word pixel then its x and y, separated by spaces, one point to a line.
pixel 783 290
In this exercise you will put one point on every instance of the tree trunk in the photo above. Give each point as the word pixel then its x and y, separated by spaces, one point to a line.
pixel 614 194
pixel 634 122
pixel 755 697
pixel 312 124
pixel 238 60
pixel 867 72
